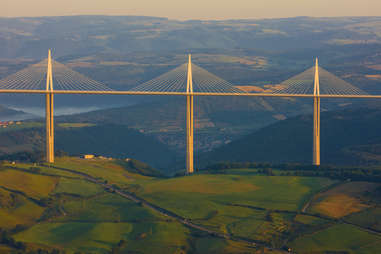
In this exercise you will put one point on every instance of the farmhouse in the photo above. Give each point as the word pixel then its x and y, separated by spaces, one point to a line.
pixel 89 156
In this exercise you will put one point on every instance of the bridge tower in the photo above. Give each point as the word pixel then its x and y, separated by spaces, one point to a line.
pixel 316 129
pixel 49 112
pixel 189 118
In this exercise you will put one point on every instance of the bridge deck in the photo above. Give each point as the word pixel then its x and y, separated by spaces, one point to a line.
pixel 365 96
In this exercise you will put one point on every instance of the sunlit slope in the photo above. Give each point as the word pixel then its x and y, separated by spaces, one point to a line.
pixel 76 213
pixel 283 193
pixel 113 171
pixel 82 216
pixel 233 203
pixel 98 224
pixel 36 186
pixel 16 209
pixel 344 199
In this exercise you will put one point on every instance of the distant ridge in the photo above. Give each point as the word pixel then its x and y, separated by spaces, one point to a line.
pixel 115 141
pixel 69 34
pixel 7 114
pixel 348 137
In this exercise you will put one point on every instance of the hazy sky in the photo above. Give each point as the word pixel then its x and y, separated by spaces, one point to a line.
pixel 193 9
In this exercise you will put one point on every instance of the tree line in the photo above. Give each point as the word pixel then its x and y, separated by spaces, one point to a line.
pixel 370 174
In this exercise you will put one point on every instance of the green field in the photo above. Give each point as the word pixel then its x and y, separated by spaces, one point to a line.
pixel 74 125
pixel 217 201
pixel 15 210
pixel 309 220
pixel 98 224
pixel 338 238
pixel 105 207
pixel 35 186
pixel 369 218
pixel 78 215
pixel 183 194
pixel 111 171
pixel 77 187
pixel 76 235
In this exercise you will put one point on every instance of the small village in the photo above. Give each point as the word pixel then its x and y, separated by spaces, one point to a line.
pixel 100 157
pixel 5 124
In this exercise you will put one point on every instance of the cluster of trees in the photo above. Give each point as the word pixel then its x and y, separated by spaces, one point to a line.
pixel 21 248
pixel 334 172
pixel 232 165
pixel 7 239
pixel 139 167
pixel 41 251
pixel 33 157
pixel 116 249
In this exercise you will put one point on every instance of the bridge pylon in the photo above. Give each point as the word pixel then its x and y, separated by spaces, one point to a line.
pixel 190 118
pixel 316 129
pixel 49 112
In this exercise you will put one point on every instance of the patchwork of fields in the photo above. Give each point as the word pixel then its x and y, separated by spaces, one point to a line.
pixel 76 206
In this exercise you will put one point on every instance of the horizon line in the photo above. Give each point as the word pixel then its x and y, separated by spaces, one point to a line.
pixel 187 19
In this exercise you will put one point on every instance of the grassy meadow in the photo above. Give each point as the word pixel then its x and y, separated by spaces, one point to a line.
pixel 107 170
pixel 16 209
pixel 370 218
pixel 340 237
pixel 35 186
pixel 282 193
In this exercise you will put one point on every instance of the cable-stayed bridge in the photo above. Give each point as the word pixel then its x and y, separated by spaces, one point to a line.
pixel 50 77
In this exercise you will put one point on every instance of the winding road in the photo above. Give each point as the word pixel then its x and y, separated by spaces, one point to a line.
pixel 162 211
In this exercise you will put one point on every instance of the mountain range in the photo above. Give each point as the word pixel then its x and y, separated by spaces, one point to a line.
pixel 7 114
pixel 84 35
pixel 115 141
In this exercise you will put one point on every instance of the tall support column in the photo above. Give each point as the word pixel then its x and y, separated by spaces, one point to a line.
pixel 190 119
pixel 316 129
pixel 49 113
pixel 51 128
pixel 48 128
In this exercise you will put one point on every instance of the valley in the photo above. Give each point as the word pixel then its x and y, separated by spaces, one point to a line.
pixel 119 183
